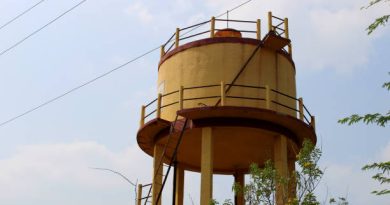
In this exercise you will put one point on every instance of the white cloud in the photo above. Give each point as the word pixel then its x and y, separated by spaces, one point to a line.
pixel 347 180
pixel 139 10
pixel 325 34
pixel 61 173
pixel 385 153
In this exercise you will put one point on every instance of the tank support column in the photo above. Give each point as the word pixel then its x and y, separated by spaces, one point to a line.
pixel 206 184
pixel 280 158
pixel 239 197
pixel 179 185
pixel 157 173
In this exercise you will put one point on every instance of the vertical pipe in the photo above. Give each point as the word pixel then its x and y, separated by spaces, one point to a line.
pixel 158 115
pixel 206 184
pixel 181 97
pixel 286 33
pixel 162 51
pixel 174 182
pixel 290 49
pixel 270 21
pixel 212 29
pixel 239 178
pixel 177 38
pixel 281 166
pixel 223 93
pixel 313 122
pixel 267 98
pixel 139 194
pixel 179 185
pixel 142 120
pixel 258 29
pixel 300 100
pixel 157 173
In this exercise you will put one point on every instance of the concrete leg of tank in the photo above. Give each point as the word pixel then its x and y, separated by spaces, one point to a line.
pixel 157 173
pixel 240 179
pixel 206 184
pixel 179 185
pixel 281 165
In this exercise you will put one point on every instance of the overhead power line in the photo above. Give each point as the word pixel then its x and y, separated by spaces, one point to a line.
pixel 98 77
pixel 38 30
pixel 21 14
pixel 224 13
pixel 77 87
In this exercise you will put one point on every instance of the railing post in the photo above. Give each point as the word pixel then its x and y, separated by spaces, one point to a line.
pixel 313 122
pixel 223 96
pixel 212 29
pixel 181 97
pixel 177 37
pixel 258 29
pixel 270 21
pixel 300 100
pixel 267 98
pixel 162 51
pixel 286 33
pixel 139 194
pixel 158 115
pixel 142 120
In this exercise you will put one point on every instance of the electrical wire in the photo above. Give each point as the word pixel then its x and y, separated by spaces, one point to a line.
pixel 21 14
pixel 96 78
pixel 38 30
pixel 224 13
pixel 77 87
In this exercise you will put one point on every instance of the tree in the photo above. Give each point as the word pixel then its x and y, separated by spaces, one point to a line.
pixel 263 182
pixel 381 21
pixel 383 168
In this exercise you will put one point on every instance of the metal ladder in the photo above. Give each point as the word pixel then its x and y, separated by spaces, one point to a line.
pixel 170 144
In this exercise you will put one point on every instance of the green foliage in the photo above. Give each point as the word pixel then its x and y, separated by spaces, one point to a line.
pixel 383 168
pixel 339 201
pixel 226 202
pixel 264 182
pixel 383 175
pixel 310 174
pixel 375 118
pixel 262 186
pixel 381 21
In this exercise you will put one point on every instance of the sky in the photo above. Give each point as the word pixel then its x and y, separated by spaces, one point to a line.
pixel 47 155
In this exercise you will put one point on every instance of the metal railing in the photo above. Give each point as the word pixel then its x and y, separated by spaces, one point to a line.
pixel 182 34
pixel 278 29
pixel 299 111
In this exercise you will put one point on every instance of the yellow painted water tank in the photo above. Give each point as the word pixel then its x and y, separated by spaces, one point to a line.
pixel 224 101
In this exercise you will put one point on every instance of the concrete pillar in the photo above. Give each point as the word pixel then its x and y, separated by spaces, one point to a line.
pixel 179 195
pixel 280 159
pixel 240 179
pixel 206 184
pixel 157 173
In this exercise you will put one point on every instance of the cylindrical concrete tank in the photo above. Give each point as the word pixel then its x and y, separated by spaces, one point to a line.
pixel 225 102
pixel 207 62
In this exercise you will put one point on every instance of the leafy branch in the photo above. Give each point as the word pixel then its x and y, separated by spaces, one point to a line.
pixel 381 21
pixel 382 176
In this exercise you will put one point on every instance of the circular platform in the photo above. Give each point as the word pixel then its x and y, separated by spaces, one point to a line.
pixel 242 135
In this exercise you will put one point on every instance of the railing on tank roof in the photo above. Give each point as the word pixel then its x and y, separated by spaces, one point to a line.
pixel 301 113
pixel 274 24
